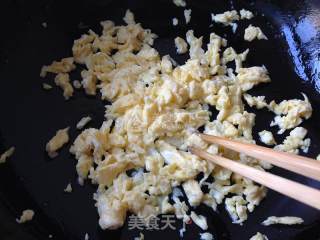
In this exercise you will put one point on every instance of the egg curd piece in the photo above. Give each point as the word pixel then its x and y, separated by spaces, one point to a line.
pixel 287 220
pixel 253 32
pixel 259 236
pixel 57 141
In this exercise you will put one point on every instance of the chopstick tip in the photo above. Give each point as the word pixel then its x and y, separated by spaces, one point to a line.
pixel 190 149
pixel 193 150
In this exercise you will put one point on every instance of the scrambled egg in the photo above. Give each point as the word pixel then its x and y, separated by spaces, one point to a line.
pixel 252 32
pixel 57 141
pixel 129 17
pixel 86 236
pixel 206 236
pixel 46 86
pixel 295 141
pixel 156 109
pixel 259 236
pixel 68 188
pixel 246 14
pixel 187 15
pixel 175 21
pixel 62 80
pixel 26 216
pixel 64 66
pixel 76 84
pixel 181 45
pixel 229 55
pixel 4 156
pixel 249 77
pixel 254 194
pixel 290 113
pixel 180 3
pixel 236 207
pixel 193 192
pixel 226 18
pixel 83 121
pixel 258 102
pixel 287 220
pixel 267 138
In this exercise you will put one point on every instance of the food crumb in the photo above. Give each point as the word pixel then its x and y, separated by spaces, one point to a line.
pixel 180 3
pixel 44 24
pixel 287 220
pixel 57 141
pixel 62 80
pixel 129 17
pixel 259 102
pixel 295 141
pixel 181 45
pixel 26 216
pixel 187 15
pixel 252 32
pixel 68 189
pixel 236 207
pixel 182 231
pixel 86 236
pixel 246 14
pixel 289 113
pixel 46 86
pixel 155 111
pixel 267 138
pixel 259 236
pixel 193 192
pixel 84 121
pixel 175 21
pixel 64 66
pixel 206 236
pixel 4 156
pixel 226 18
pixel 76 84
pixel 234 27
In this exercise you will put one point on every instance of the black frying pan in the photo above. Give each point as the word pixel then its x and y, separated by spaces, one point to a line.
pixel 30 116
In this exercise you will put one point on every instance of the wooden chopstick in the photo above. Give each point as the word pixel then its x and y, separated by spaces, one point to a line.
pixel 298 164
pixel 297 191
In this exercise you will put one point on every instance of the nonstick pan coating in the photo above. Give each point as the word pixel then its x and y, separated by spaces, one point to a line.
pixel 30 116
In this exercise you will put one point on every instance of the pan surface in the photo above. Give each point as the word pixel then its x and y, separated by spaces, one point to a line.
pixel 30 116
